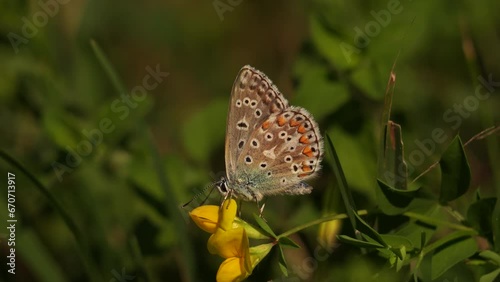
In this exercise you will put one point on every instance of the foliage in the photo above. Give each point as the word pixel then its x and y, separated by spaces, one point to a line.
pixel 113 115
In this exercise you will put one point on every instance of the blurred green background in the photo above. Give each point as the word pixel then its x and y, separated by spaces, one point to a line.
pixel 124 193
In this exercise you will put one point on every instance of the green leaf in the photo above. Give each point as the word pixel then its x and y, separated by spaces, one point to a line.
pixel 490 255
pixel 423 239
pixel 455 172
pixel 451 250
pixel 342 182
pixel 401 253
pixel 358 243
pixel 367 230
pixel 265 227
pixel 282 262
pixel 395 241
pixel 425 209
pixel 392 168
pixel 479 215
pixel 490 277
pixel 393 201
pixel 285 241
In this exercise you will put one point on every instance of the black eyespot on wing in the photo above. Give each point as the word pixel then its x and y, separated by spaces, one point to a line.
pixel 242 125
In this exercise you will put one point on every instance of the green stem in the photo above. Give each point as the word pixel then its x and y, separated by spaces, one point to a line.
pixel 429 220
pixel 318 221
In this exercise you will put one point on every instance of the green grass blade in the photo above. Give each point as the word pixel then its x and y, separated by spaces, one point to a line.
pixel 83 249
pixel 342 182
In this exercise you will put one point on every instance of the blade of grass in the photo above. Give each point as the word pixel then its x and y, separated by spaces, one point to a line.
pixel 171 204
pixel 108 68
pixel 342 182
pixel 83 249
pixel 170 201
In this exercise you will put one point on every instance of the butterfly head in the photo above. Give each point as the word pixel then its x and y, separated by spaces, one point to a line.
pixel 222 187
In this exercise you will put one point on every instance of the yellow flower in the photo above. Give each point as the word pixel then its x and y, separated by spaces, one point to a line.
pixel 229 240
pixel 233 270
pixel 206 217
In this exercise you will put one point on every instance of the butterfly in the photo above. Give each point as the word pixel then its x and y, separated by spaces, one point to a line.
pixel 271 147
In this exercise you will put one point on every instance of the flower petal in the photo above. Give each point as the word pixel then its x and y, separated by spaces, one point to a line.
pixel 230 270
pixel 231 243
pixel 206 217
pixel 227 213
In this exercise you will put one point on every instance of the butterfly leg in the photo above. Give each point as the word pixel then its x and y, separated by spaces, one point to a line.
pixel 261 210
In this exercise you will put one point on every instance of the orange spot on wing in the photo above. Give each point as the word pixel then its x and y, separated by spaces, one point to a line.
pixel 304 140
pixel 266 125
pixel 307 151
pixel 301 129
pixel 306 168
pixel 304 174
pixel 294 123
pixel 281 121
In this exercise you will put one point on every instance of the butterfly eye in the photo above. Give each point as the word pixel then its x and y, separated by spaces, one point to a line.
pixel 222 186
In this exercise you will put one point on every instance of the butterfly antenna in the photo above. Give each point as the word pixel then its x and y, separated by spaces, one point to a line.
pixel 208 195
pixel 212 185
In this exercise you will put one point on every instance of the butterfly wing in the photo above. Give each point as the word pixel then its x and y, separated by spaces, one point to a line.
pixel 253 99
pixel 283 151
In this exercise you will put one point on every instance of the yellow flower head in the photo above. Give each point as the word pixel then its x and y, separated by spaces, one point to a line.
pixel 229 240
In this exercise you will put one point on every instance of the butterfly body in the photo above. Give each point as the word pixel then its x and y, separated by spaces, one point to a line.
pixel 271 147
